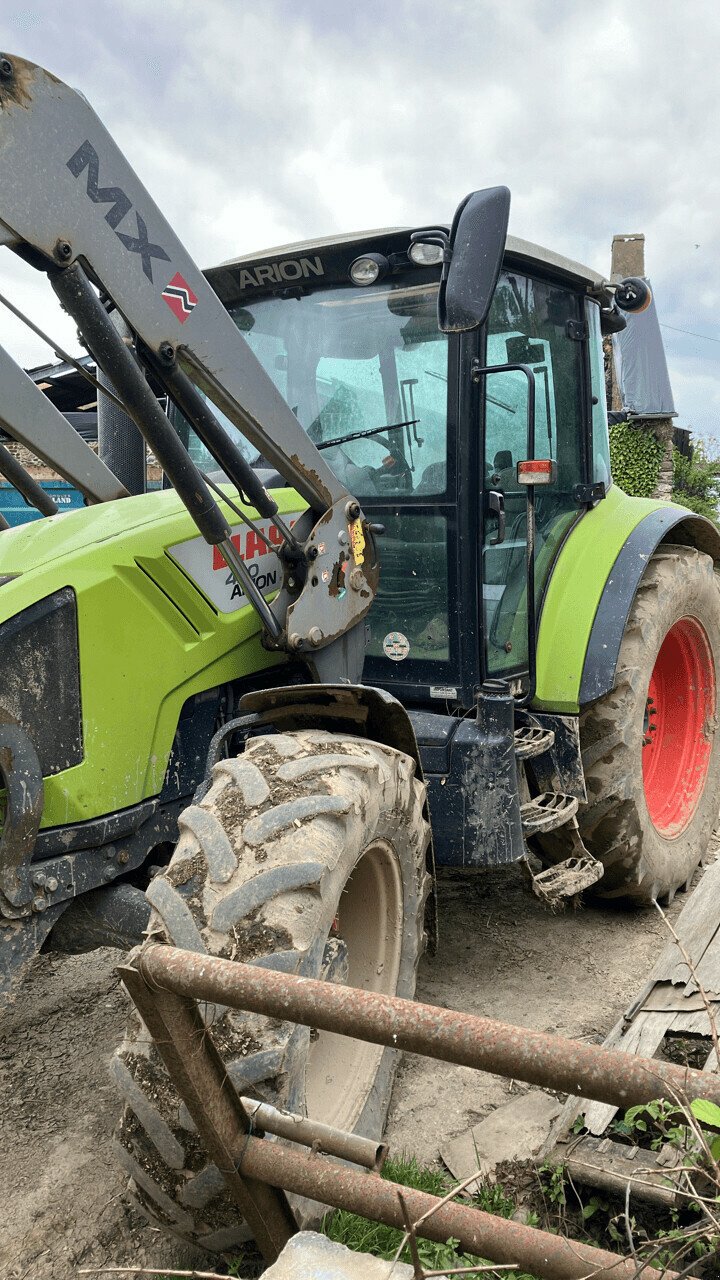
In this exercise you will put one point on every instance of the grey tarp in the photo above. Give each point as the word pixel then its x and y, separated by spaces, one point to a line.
pixel 641 367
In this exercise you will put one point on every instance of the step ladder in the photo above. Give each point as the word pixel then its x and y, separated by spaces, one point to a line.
pixel 532 740
pixel 548 812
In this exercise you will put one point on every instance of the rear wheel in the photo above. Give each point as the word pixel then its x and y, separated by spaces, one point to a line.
pixel 651 750
pixel 308 855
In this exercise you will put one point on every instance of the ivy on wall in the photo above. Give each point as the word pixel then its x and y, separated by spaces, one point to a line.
pixel 696 480
pixel 635 457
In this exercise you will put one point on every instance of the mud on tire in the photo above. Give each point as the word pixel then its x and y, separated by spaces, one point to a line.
pixel 643 861
pixel 308 855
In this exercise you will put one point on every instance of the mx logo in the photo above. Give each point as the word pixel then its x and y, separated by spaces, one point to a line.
pixel 86 157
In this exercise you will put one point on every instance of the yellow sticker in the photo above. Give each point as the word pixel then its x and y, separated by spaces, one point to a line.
pixel 357 540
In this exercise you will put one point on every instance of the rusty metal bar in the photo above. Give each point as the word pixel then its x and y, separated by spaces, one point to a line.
pixel 311 1133
pixel 585 1071
pixel 200 1077
pixel 498 1239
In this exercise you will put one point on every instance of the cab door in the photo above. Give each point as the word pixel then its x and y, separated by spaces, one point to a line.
pixel 536 323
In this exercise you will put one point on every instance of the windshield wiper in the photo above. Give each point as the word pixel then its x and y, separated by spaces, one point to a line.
pixel 359 435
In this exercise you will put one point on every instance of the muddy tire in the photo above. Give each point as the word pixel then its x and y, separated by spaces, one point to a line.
pixel 308 855
pixel 650 748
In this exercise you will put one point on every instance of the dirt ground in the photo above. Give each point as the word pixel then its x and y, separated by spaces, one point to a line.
pixel 501 954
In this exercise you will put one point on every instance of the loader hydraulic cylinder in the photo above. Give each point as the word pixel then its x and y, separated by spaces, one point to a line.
pixel 80 300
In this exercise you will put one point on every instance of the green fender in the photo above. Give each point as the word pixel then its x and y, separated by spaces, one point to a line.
pixel 591 588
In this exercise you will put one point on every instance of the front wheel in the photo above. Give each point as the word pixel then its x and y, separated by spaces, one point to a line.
pixel 650 748
pixel 308 855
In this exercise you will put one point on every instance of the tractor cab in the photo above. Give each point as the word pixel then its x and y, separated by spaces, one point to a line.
pixel 434 432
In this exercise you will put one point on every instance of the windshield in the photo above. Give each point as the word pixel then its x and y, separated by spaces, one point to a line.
pixel 365 371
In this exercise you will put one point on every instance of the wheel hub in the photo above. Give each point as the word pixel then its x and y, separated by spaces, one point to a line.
pixel 363 950
pixel 676 744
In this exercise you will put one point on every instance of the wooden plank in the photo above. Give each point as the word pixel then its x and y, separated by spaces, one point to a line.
pixel 669 1000
pixel 643 1037
pixel 711 1063
pixel 693 1023
pixel 558 1135
pixel 697 927
pixel 707 969
pixel 599 1162
pixel 665 997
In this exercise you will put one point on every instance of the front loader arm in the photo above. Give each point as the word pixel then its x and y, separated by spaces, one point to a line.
pixel 71 204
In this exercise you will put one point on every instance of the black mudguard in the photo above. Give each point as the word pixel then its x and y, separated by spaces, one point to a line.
pixel 668 524
pixel 345 708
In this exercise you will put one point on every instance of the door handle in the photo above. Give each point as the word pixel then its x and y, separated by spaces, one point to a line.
pixel 496 507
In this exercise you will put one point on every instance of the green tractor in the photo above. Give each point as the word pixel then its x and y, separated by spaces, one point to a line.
pixel 220 722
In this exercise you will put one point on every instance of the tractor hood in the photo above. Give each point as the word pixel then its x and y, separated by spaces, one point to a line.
pixel 39 542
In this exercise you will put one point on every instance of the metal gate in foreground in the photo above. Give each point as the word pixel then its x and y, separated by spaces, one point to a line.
pixel 166 983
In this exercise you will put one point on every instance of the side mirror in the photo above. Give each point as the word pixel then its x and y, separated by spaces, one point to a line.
pixel 472 265
pixel 633 294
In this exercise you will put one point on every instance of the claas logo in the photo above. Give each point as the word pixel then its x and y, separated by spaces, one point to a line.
pixel 249 545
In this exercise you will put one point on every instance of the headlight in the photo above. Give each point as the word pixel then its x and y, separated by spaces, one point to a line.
pixel 40 678
pixel 369 268
pixel 425 255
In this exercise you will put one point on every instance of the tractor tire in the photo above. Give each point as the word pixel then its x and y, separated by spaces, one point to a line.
pixel 650 748
pixel 308 854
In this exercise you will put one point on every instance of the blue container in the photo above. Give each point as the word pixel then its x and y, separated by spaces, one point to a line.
pixel 17 511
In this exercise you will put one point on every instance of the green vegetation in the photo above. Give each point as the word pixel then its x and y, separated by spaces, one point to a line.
pixel 383 1242
pixel 681 1236
pixel 696 480
pixel 635 457
pixel 687 1233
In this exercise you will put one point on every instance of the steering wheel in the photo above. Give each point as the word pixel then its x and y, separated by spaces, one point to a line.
pixel 392 476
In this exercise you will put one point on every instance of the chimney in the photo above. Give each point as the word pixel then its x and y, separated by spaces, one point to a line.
pixel 628 257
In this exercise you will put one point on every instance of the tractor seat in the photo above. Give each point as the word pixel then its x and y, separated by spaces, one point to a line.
pixel 433 479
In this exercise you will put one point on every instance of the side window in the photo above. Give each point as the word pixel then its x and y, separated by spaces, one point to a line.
pixel 529 325
pixel 505 420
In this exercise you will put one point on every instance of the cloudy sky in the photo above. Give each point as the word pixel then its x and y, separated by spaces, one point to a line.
pixel 258 122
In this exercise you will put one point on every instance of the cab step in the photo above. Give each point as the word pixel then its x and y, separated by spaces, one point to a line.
pixel 532 740
pixel 564 881
pixel 567 880
pixel 546 812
